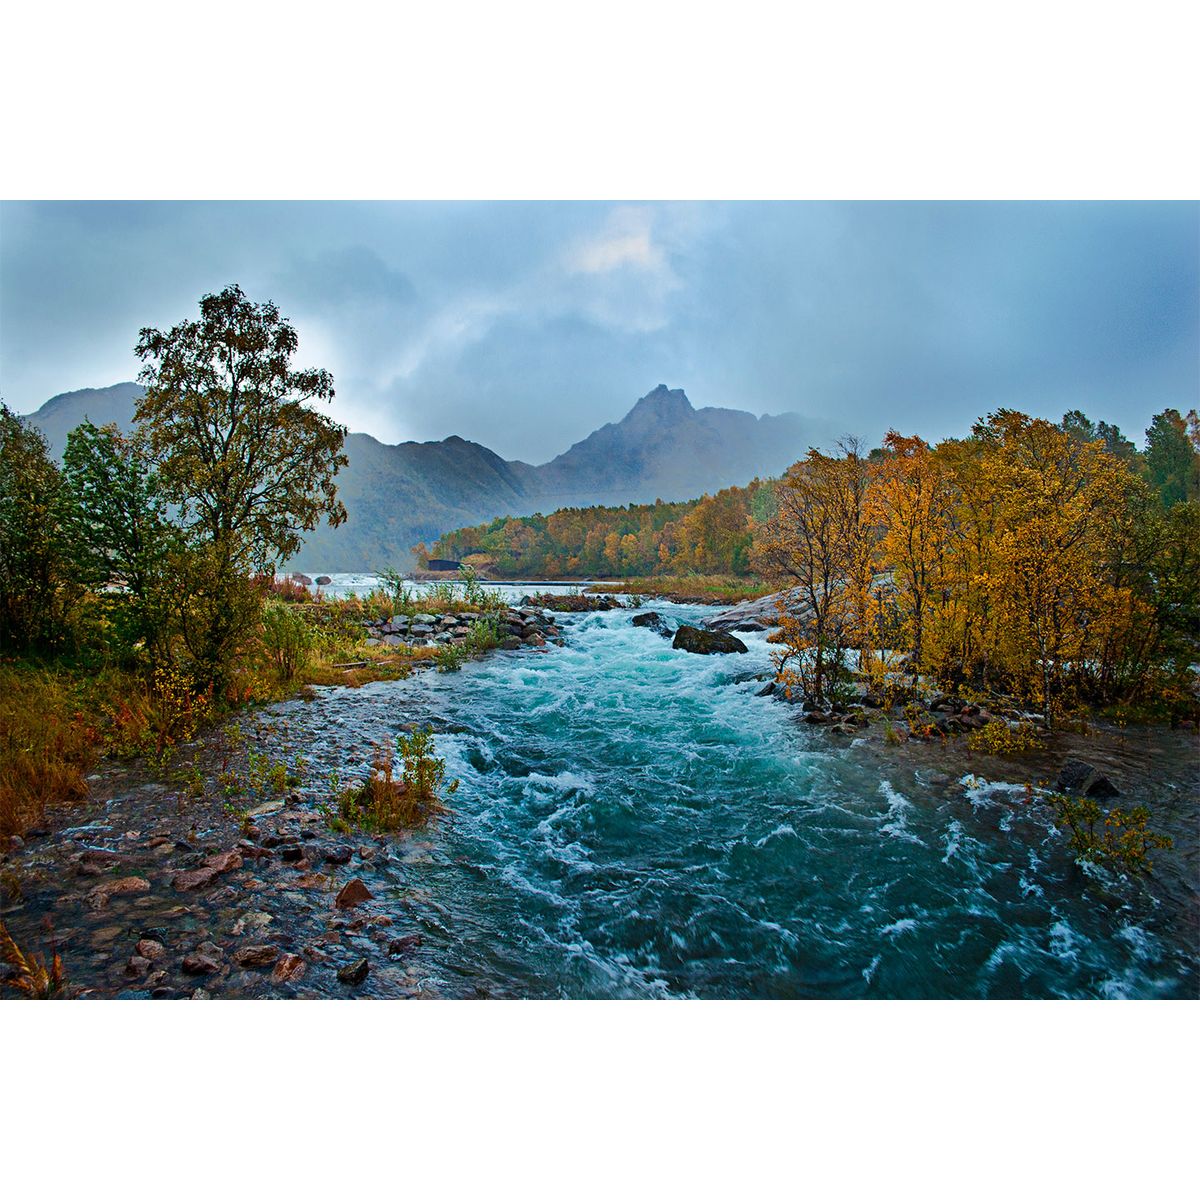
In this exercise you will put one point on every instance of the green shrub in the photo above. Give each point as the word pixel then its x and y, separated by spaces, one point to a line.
pixel 287 638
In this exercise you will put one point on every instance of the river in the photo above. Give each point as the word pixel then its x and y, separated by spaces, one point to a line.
pixel 634 821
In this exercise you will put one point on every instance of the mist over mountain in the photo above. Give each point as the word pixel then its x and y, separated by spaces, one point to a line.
pixel 398 495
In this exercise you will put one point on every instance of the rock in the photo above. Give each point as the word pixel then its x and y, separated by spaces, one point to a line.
pixel 766 690
pixel 292 853
pixel 265 809
pixel 655 621
pixel 354 892
pixel 755 616
pixel 297 577
pixel 338 855
pixel 322 580
pixel 402 945
pixel 252 920
pixel 1085 780
pixel 190 881
pixel 288 969
pixel 256 956
pixel 150 949
pixel 99 896
pixel 355 973
pixel 511 643
pixel 706 641
pixel 314 880
pixel 200 964
pixel 137 965
pixel 230 860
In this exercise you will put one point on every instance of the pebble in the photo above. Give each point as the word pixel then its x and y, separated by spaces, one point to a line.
pixel 355 973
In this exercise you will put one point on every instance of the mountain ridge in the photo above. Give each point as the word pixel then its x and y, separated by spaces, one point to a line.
pixel 402 493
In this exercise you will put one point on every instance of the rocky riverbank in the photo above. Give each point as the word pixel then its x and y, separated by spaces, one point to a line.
pixel 228 877
pixel 527 625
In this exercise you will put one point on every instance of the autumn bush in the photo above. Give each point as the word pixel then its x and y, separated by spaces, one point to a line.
pixel 1115 837
pixel 383 803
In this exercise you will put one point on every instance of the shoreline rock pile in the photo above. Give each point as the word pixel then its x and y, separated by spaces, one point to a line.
pixel 524 626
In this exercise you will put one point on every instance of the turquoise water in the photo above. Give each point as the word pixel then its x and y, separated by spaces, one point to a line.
pixel 636 821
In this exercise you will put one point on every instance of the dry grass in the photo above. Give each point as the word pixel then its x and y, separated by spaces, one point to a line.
pixel 31 976
pixel 48 744
pixel 697 589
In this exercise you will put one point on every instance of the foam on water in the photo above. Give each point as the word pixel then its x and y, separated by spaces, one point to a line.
pixel 636 821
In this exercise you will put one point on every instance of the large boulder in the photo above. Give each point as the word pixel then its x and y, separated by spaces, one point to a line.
pixel 755 616
pixel 1085 780
pixel 707 641
pixel 655 621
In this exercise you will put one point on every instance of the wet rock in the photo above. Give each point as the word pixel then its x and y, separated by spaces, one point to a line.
pixel 292 854
pixel 150 949
pixel 355 973
pixel 655 621
pixel 1085 780
pixel 256 956
pixel 322 580
pixel 403 945
pixel 512 642
pixel 314 880
pixel 99 896
pixel 752 616
pixel 251 921
pixel 706 641
pixel 354 892
pixel 288 969
pixel 190 881
pixel 163 993
pixel 338 855
pixel 199 964
pixel 230 860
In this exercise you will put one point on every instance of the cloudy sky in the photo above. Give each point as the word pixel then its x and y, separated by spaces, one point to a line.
pixel 525 326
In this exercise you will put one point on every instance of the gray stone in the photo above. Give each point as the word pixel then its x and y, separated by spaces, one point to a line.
pixel 1085 780
pixel 706 641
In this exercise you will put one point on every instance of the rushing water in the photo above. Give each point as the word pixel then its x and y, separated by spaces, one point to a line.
pixel 637 821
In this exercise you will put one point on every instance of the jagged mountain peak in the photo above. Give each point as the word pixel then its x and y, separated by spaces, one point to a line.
pixel 397 495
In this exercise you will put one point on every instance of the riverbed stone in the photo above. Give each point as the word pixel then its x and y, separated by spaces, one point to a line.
pixel 262 955
pixel 99 896
pixel 706 641
pixel 1086 780
pixel 352 893
pixel 200 964
pixel 288 969
pixel 355 972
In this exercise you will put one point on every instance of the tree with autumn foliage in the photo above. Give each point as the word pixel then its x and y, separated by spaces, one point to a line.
pixel 818 545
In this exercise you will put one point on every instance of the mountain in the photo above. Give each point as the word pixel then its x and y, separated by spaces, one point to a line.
pixel 399 495
pixel 60 414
